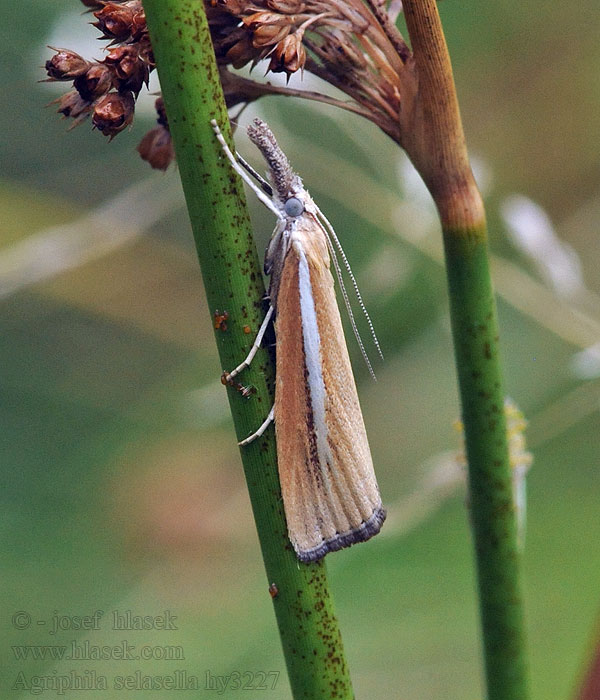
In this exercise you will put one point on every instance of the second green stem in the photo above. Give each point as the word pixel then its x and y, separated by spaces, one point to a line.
pixel 475 332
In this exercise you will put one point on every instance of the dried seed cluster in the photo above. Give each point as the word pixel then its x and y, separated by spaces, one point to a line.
pixel 106 90
pixel 352 44
pixel 245 32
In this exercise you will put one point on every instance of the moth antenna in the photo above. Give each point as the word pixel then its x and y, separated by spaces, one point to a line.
pixel 260 193
pixel 361 303
pixel 338 274
pixel 264 184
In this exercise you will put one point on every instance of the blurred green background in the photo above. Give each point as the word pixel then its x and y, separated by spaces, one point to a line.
pixel 122 484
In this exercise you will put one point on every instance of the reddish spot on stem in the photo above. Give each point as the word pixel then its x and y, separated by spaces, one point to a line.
pixel 220 320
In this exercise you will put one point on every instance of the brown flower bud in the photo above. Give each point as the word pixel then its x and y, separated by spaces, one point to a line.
pixel 113 112
pixel 128 67
pixel 96 81
pixel 257 19
pixel 115 21
pixel 139 28
pixel 73 105
pixel 289 55
pixel 268 34
pixel 157 148
pixel 267 28
pixel 66 65
pixel 122 59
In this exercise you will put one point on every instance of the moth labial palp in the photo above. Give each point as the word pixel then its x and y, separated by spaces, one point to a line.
pixel 330 493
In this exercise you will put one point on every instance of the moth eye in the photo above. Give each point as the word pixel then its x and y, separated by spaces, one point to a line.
pixel 293 206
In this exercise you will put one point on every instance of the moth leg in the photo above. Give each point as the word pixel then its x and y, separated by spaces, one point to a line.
pixel 242 173
pixel 228 376
pixel 261 430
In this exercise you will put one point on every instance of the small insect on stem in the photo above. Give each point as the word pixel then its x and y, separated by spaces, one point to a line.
pixel 330 493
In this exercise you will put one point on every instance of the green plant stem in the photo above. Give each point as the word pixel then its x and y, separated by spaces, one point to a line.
pixel 475 333
pixel 232 277
pixel 437 147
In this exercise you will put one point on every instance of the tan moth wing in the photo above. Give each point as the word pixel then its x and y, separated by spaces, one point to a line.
pixel 329 489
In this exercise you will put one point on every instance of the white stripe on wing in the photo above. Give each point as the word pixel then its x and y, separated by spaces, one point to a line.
pixel 312 354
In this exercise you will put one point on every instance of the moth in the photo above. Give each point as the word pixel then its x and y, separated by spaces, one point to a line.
pixel 330 493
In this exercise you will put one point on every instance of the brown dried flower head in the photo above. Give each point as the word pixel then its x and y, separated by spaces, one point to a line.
pixel 267 28
pixel 73 105
pixel 289 55
pixel 106 89
pixel 113 112
pixel 66 65
pixel 157 147
pixel 353 45
pixel 115 20
pixel 96 81
pixel 130 69
pixel 139 29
